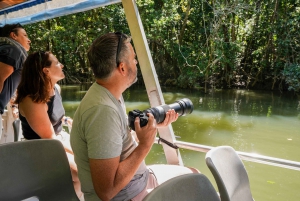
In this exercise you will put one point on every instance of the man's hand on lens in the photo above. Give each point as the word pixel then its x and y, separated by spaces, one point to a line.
pixel 171 116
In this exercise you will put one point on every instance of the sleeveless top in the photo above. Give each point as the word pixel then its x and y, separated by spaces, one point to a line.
pixel 55 112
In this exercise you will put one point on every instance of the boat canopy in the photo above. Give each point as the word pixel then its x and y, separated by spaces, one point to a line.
pixel 32 11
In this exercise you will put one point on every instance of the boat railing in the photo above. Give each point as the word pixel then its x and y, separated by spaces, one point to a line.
pixel 252 157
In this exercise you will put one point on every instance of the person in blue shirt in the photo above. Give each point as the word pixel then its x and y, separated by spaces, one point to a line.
pixel 14 44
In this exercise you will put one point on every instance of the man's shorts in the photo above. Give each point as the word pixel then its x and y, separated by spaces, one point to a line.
pixel 151 184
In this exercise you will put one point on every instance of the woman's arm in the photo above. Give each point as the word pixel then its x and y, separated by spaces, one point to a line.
pixel 38 119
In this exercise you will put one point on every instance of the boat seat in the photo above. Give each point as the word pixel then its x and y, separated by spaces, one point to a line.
pixel 164 172
pixel 191 187
pixel 35 170
pixel 17 129
pixel 230 174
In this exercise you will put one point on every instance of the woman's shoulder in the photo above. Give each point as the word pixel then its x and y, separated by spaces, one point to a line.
pixel 28 104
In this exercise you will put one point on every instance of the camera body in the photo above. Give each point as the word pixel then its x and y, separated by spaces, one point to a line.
pixel 182 107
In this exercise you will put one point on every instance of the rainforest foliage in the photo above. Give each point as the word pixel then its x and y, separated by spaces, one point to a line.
pixel 194 44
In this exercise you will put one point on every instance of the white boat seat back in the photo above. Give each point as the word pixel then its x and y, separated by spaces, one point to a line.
pixel 230 174
pixel 191 187
pixel 17 129
pixel 36 169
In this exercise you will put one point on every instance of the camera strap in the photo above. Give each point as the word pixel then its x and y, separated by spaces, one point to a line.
pixel 167 143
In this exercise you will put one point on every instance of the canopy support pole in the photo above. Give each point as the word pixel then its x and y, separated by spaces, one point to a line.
pixel 149 75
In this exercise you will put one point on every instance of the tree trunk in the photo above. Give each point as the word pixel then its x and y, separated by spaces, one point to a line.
pixel 187 13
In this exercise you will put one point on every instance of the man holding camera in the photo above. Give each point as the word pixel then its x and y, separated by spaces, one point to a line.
pixel 110 162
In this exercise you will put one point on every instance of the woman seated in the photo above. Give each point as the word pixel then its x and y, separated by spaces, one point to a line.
pixel 40 105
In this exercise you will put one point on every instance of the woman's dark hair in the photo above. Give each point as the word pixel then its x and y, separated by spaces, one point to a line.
pixel 8 28
pixel 34 82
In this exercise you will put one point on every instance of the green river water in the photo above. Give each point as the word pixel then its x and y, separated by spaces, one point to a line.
pixel 261 122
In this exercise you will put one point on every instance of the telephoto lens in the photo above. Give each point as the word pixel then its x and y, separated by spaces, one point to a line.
pixel 182 107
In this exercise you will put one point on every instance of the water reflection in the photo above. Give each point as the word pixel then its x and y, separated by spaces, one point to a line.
pixel 251 121
pixel 261 122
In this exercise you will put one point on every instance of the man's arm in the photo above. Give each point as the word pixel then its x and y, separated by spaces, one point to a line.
pixel 110 175
pixel 6 71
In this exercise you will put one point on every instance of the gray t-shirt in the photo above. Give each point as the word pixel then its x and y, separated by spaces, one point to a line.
pixel 100 131
pixel 10 55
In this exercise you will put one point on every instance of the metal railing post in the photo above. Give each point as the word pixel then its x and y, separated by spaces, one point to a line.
pixel 149 74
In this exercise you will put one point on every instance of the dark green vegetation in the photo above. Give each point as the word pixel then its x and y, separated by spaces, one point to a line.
pixel 194 44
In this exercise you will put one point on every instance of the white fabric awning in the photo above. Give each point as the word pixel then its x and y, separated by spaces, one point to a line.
pixel 31 11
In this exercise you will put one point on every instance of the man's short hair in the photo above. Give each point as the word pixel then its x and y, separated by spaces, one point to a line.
pixel 102 54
